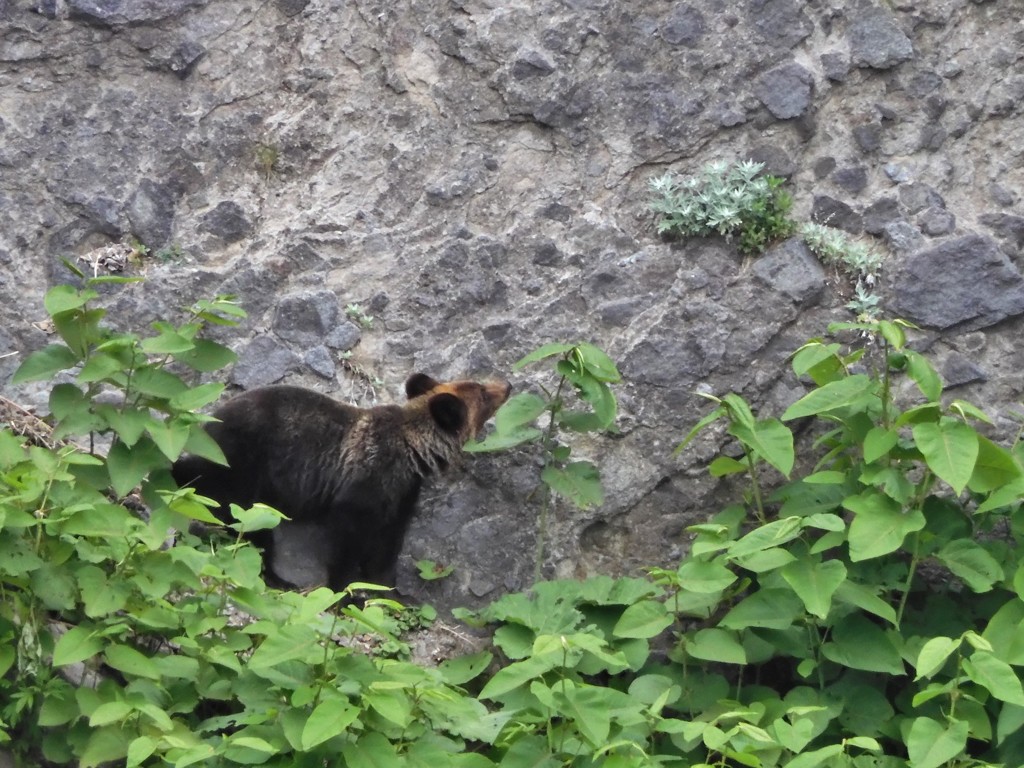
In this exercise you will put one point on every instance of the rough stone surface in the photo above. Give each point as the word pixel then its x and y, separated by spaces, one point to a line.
pixel 475 176
pixel 967 283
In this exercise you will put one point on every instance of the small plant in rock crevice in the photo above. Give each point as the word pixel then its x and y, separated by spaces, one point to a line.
pixel 728 199
pixel 858 260
pixel 358 315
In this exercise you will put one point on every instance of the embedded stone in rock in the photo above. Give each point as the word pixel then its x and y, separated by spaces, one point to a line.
pixel 876 41
pixel 343 337
pixel 227 221
pixel 684 26
pixel 151 213
pixel 1008 228
pixel 115 12
pixel 960 369
pixel 320 361
pixel 262 362
pixel 781 22
pixel 968 283
pixel 785 90
pixel 791 269
pixel 305 318
pixel 835 213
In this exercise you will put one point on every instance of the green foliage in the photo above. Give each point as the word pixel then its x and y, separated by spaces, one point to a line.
pixel 857 259
pixel 358 315
pixel 728 199
pixel 863 608
pixel 586 371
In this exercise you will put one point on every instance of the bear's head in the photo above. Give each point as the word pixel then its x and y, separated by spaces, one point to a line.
pixel 459 407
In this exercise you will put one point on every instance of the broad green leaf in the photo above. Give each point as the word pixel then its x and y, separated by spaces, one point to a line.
pixel 836 395
pixel 1002 497
pixel 1011 720
pixel 645 619
pixel 950 448
pixel 967 410
pixel 766 608
pixel 110 712
pixel 77 644
pixel 860 644
pixel 972 563
pixel 866 599
pixel 548 350
pixel 715 644
pixel 723 466
pixel 598 364
pixel 155 381
pixel 995 675
pixel 128 466
pixel 105 745
pixel 704 577
pixel 519 410
pixel 921 371
pixel 139 750
pixel 126 659
pixel 169 342
pixel 739 411
pixel 196 397
pixel 207 356
pixel 62 298
pixel 773 534
pixel 44 363
pixel 169 438
pixel 199 443
pixel 819 361
pixel 461 669
pixel 59 707
pixel 288 643
pixel 814 758
pixel 129 424
pixel 259 517
pixel 578 481
pixel 330 718
pixel 879 525
pixel 98 367
pixel 771 440
pixel 589 708
pixel 878 442
pixel 815 582
pixel 933 655
pixel 500 442
pixel 995 467
pixel 518 673
pixel 931 744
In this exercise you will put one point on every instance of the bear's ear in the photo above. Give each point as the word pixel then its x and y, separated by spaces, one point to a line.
pixel 450 413
pixel 419 384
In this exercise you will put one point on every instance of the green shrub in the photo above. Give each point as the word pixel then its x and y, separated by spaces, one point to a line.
pixel 728 200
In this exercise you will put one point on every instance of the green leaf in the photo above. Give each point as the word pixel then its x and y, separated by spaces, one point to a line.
pixel 879 525
pixel 865 598
pixel 128 424
pixel 169 342
pixel 153 380
pixel 972 563
pixel 207 356
pixel 578 481
pixel 704 577
pixel 930 744
pixel 816 757
pixel 77 644
pixel 518 411
pixel 950 448
pixel 860 644
pixel 548 350
pixel 995 468
pixel 461 669
pixel 768 536
pixel 998 677
pixel 921 371
pixel 288 643
pixel 598 364
pixel 723 466
pixel 815 582
pixel 739 411
pixel 139 750
pixel 196 397
pixel 105 745
pixel 852 391
pixel 645 619
pixel 330 718
pixel 933 655
pixel 771 440
pixel 501 442
pixel 44 363
pixel 715 644
pixel 128 466
pixel 62 298
pixel 766 608
pixel 518 673
pixel 126 659
pixel 878 442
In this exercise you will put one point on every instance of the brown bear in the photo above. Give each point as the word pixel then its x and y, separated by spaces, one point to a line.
pixel 354 473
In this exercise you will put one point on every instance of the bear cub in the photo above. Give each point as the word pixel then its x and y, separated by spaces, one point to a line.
pixel 353 473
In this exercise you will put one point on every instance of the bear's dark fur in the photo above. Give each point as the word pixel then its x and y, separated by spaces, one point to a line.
pixel 353 472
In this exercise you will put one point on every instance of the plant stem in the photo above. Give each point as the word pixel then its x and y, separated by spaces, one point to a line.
pixel 914 560
pixel 756 488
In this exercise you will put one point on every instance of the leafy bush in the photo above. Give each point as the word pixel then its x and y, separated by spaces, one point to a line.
pixel 725 199
pixel 862 605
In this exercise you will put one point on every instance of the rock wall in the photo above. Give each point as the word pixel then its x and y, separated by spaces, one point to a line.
pixel 473 174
